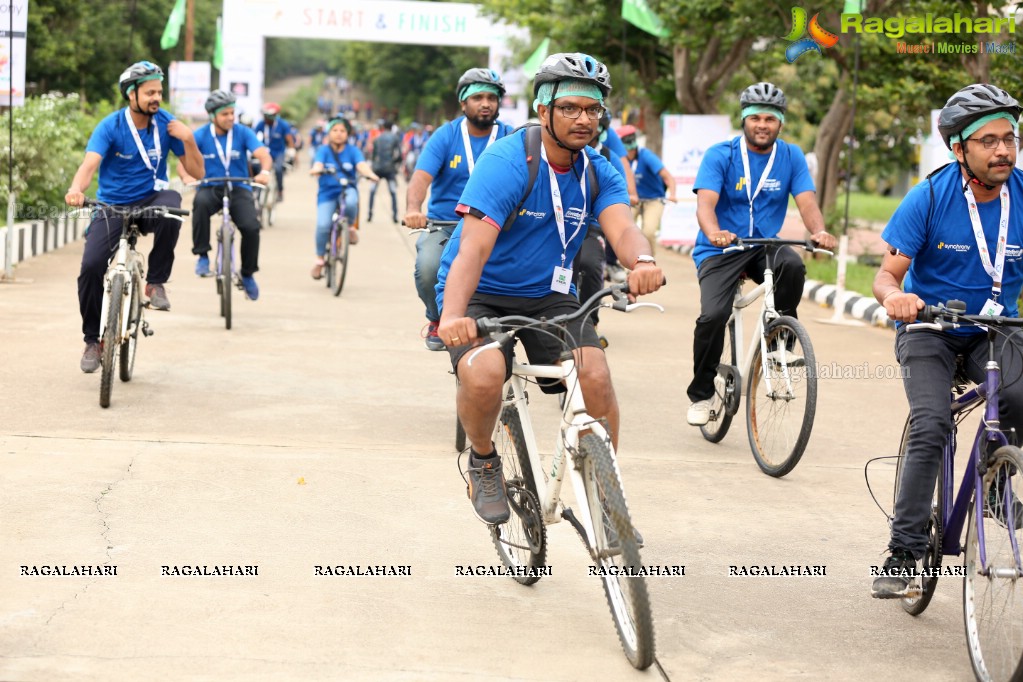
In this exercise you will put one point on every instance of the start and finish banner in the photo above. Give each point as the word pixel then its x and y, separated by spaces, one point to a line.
pixel 13 28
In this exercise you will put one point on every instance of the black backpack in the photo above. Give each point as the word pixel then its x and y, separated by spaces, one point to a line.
pixel 385 154
pixel 531 141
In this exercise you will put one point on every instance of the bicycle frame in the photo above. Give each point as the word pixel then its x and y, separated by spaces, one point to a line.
pixel 226 214
pixel 767 314
pixel 124 262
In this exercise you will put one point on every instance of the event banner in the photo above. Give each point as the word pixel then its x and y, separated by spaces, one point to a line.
pixel 13 29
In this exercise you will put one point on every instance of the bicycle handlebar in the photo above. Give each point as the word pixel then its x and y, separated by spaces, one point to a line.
pixel 952 315
pixel 741 244
pixel 431 225
pixel 134 212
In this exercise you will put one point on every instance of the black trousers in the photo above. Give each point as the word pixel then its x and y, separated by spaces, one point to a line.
pixel 208 201
pixel 101 238
pixel 718 276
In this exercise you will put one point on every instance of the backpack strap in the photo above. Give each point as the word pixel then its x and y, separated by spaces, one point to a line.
pixel 532 140
pixel 930 186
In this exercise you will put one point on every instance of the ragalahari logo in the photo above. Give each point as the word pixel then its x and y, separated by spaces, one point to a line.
pixel 819 37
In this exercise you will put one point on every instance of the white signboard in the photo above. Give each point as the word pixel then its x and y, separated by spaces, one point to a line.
pixel 189 84
pixel 686 140
pixel 12 52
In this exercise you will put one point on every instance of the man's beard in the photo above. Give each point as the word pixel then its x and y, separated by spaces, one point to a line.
pixel 483 121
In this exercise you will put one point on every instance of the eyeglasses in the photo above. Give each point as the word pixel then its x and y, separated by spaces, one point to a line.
pixel 573 112
pixel 992 142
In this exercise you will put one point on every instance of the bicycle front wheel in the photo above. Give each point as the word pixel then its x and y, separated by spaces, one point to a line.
pixel 922 592
pixel 617 552
pixel 110 337
pixel 127 355
pixel 781 397
pixel 521 542
pixel 339 258
pixel 993 586
pixel 224 275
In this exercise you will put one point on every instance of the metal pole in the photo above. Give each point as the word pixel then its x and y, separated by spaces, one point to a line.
pixel 852 136
pixel 8 255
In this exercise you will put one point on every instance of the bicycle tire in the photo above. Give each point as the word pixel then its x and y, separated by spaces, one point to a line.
pixel 627 595
pixel 521 542
pixel 916 605
pixel 127 354
pixel 339 254
pixel 225 275
pixel 110 334
pixel 779 424
pixel 993 606
pixel 727 389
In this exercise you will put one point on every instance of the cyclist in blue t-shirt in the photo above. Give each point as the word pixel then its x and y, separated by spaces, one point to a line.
pixel 225 147
pixel 444 166
pixel 335 161
pixel 279 135
pixel 652 179
pixel 487 271
pixel 742 190
pixel 129 148
pixel 941 239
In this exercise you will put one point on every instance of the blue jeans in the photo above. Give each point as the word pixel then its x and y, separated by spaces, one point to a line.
pixel 324 213
pixel 928 360
pixel 429 249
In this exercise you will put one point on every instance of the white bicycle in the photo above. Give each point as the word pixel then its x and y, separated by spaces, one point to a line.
pixel 583 449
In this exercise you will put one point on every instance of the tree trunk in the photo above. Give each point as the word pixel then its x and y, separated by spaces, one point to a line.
pixel 831 137
pixel 700 81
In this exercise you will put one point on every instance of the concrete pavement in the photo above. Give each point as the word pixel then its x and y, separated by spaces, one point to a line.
pixel 319 431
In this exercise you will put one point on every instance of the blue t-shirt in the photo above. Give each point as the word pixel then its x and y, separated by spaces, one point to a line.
pixel 646 167
pixel 330 185
pixel 946 263
pixel 277 134
pixel 123 176
pixel 616 163
pixel 243 142
pixel 444 159
pixel 614 143
pixel 721 171
pixel 524 257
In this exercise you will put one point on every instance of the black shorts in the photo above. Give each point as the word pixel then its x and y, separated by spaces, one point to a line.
pixel 541 347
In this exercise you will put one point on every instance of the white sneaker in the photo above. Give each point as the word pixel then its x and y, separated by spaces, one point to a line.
pixel 776 357
pixel 699 413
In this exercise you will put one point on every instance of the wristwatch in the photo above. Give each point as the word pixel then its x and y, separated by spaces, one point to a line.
pixel 644 259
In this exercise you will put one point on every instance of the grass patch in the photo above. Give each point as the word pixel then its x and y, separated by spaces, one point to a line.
pixel 858 278
pixel 862 207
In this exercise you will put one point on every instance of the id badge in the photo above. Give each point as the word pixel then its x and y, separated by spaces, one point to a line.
pixel 160 185
pixel 562 280
pixel 991 308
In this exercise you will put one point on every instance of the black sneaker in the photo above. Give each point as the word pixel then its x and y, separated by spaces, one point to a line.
pixel 996 507
pixel 486 490
pixel 91 357
pixel 897 575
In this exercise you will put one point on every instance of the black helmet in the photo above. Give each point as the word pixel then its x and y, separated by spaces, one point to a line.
pixel 481 76
pixel 605 120
pixel 764 94
pixel 575 66
pixel 971 103
pixel 219 99
pixel 137 73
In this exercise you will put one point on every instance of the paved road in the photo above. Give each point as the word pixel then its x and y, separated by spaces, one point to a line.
pixel 319 432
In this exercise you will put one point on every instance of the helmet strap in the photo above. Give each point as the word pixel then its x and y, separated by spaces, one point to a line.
pixel 550 126
pixel 969 171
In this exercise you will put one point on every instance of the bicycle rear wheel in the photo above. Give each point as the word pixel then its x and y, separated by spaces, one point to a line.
pixel 339 258
pixel 127 355
pixel 781 397
pixel 617 552
pixel 993 590
pixel 727 389
pixel 110 336
pixel 915 604
pixel 521 542
pixel 224 275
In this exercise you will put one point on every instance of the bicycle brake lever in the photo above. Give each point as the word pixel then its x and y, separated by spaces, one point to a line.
pixel 488 346
pixel 816 250
pixel 940 326
pixel 632 306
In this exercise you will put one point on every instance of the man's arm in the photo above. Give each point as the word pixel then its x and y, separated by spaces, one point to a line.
pixel 82 179
pixel 192 161
pixel 630 181
pixel 629 244
pixel 669 182
pixel 707 218
pixel 806 202
pixel 477 242
pixel 266 163
pixel 900 306
pixel 415 195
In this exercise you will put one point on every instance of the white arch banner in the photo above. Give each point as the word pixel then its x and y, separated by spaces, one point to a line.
pixel 247 23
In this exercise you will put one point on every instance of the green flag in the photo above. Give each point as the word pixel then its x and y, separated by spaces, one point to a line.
pixel 639 14
pixel 853 7
pixel 173 28
pixel 218 47
pixel 532 65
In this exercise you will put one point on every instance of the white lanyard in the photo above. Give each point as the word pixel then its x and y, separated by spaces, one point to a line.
pixel 141 147
pixel 978 234
pixel 224 158
pixel 559 211
pixel 468 145
pixel 763 177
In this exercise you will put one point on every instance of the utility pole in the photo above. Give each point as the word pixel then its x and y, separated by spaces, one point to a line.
pixel 189 31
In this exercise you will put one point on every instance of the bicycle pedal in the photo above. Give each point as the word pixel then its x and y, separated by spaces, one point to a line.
pixel 146 331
